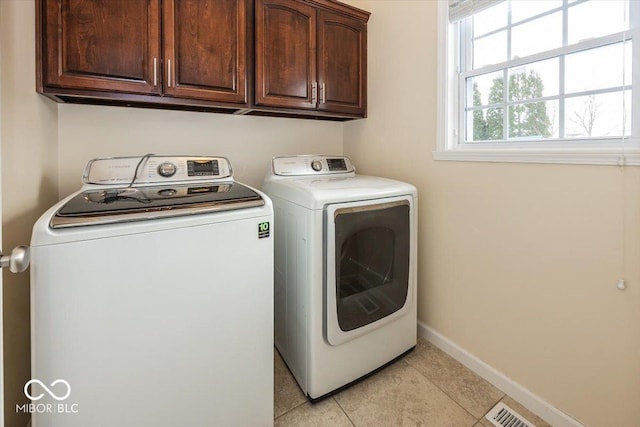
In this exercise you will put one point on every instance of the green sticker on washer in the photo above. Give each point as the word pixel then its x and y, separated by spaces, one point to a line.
pixel 264 230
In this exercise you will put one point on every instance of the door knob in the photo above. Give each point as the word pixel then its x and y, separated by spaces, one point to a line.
pixel 18 261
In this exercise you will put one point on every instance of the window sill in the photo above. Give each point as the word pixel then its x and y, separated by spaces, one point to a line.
pixel 617 157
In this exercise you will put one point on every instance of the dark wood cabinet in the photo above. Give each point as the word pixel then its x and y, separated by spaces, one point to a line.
pixel 108 45
pixel 285 54
pixel 342 64
pixel 179 52
pixel 310 56
pixel 205 53
pixel 294 58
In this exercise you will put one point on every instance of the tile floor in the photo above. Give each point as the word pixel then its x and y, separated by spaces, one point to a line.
pixel 426 388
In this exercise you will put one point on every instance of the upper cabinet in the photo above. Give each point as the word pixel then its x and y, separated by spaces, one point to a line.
pixel 110 45
pixel 311 57
pixel 264 57
pixel 205 52
pixel 342 64
pixel 286 66
pixel 176 51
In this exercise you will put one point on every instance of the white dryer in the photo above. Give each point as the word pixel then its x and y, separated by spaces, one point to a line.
pixel 151 299
pixel 345 270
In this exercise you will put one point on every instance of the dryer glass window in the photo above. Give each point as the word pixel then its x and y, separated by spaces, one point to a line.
pixel 371 263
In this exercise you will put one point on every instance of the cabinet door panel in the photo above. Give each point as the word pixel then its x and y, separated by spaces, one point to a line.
pixel 206 42
pixel 285 53
pixel 342 74
pixel 103 44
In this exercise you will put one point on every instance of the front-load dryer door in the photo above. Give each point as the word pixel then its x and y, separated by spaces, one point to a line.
pixel 367 265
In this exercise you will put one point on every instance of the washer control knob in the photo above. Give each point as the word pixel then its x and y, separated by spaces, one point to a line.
pixel 167 192
pixel 167 169
pixel 316 165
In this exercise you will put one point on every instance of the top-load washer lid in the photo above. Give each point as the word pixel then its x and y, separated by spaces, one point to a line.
pixel 123 189
pixel 114 205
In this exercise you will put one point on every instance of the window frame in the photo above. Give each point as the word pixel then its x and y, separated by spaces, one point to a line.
pixel 622 150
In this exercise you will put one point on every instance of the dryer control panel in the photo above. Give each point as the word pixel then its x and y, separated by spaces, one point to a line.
pixel 311 165
pixel 151 169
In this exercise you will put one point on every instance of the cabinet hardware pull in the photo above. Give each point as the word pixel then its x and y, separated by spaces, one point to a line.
pixel 323 94
pixel 314 93
pixel 168 73
pixel 155 71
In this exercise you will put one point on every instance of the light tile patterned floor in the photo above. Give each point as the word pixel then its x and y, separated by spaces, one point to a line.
pixel 426 388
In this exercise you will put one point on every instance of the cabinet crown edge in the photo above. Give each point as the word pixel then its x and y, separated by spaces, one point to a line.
pixel 341 8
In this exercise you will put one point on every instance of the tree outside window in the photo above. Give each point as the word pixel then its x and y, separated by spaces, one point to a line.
pixel 526 119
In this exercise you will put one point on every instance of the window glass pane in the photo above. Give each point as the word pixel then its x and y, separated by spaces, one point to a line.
pixel 524 9
pixel 486 89
pixel 533 120
pixel 485 125
pixel 537 36
pixel 534 80
pixel 596 18
pixel 602 115
pixel 598 68
pixel 490 19
pixel 490 50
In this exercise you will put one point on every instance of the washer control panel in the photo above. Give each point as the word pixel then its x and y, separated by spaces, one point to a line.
pixel 311 165
pixel 156 169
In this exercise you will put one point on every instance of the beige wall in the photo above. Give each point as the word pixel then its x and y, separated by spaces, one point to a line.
pixel 86 132
pixel 29 183
pixel 518 262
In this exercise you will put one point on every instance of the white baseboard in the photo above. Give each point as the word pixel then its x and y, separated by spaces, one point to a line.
pixel 529 400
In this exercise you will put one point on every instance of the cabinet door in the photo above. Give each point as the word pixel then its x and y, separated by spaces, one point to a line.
pixel 342 64
pixel 205 49
pixel 107 45
pixel 285 54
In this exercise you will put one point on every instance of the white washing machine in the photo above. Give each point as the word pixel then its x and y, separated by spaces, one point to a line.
pixel 345 270
pixel 151 299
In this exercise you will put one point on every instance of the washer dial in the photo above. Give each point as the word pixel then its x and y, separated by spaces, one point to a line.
pixel 167 169
pixel 316 165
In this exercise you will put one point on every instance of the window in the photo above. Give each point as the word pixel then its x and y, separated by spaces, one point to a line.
pixel 539 81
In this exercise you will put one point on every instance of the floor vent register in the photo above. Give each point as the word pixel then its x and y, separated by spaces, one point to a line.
pixel 503 416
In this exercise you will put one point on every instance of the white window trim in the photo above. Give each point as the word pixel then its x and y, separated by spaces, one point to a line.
pixel 614 151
